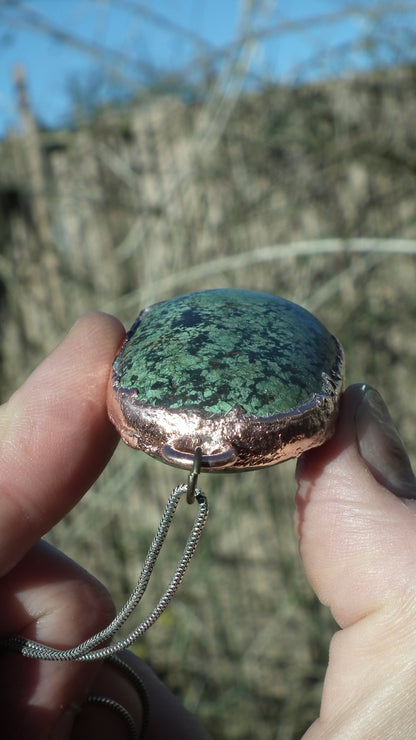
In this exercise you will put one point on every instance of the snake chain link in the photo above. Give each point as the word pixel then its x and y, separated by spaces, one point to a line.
pixel 86 651
pixel 115 706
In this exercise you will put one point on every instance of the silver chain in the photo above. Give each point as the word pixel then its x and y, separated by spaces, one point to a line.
pixel 89 650
pixel 115 706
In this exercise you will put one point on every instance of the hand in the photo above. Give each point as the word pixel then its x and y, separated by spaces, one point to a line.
pixel 357 530
pixel 357 540
pixel 55 438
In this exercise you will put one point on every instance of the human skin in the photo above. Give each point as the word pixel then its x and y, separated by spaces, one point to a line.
pixel 357 536
pixel 55 439
pixel 357 539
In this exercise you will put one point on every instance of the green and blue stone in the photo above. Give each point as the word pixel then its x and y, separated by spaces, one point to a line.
pixel 250 378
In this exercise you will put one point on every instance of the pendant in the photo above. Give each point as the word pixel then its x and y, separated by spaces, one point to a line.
pixel 248 378
pixel 217 380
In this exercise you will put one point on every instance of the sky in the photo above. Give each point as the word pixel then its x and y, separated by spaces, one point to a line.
pixel 65 46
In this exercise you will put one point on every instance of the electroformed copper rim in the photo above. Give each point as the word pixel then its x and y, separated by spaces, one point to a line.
pixel 232 441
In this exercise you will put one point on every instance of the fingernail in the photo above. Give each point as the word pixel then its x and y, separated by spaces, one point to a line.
pixel 380 446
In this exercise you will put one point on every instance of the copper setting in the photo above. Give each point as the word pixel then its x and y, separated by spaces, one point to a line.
pixel 232 441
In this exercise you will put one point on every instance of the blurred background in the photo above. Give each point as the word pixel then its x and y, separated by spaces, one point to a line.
pixel 149 149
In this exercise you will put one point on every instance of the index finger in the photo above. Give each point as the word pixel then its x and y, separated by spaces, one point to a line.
pixel 55 436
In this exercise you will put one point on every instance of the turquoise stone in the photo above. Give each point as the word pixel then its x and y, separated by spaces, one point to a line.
pixel 231 358
pixel 218 348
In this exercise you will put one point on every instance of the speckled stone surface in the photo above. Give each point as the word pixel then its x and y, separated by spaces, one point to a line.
pixel 214 349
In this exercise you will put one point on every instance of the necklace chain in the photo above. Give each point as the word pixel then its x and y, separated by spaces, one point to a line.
pixel 90 649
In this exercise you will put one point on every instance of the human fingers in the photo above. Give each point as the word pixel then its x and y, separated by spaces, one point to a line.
pixel 167 718
pixel 48 598
pixel 357 532
pixel 55 436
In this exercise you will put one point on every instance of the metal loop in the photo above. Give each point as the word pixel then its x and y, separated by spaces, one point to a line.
pixel 181 459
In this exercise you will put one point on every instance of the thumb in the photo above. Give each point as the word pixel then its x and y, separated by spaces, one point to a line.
pixel 357 533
